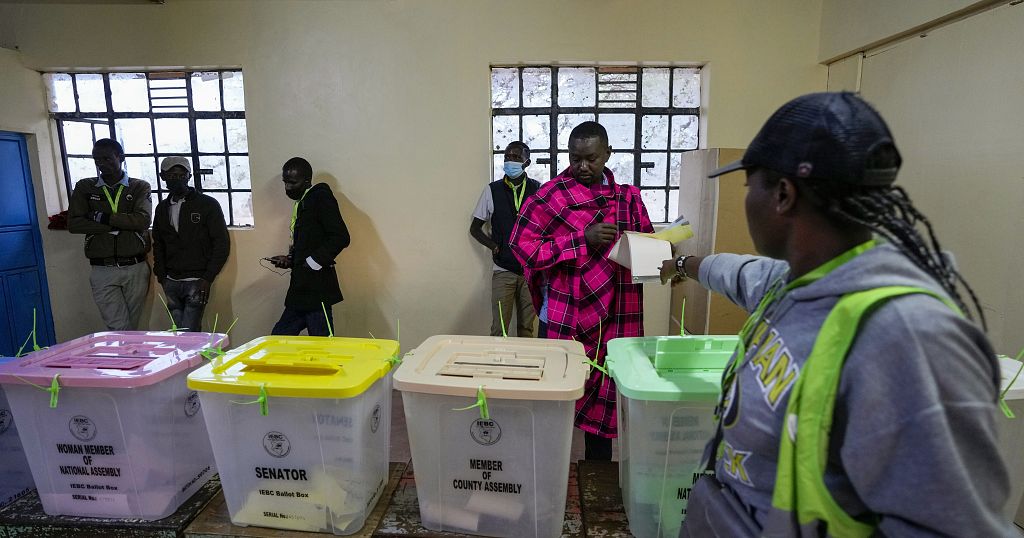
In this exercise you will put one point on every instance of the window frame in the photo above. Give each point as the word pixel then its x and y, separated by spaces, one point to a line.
pixel 638 110
pixel 191 114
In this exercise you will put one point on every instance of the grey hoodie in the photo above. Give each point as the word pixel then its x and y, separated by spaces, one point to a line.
pixel 914 434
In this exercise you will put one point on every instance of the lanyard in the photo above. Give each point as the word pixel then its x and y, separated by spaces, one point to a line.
pixel 517 196
pixel 116 200
pixel 775 292
pixel 295 212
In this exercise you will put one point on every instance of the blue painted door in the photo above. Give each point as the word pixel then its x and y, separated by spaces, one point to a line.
pixel 22 271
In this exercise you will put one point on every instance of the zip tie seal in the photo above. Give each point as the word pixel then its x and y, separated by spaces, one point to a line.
pixel 481 402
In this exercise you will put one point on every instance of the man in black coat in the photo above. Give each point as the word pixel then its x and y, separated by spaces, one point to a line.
pixel 318 235
pixel 190 244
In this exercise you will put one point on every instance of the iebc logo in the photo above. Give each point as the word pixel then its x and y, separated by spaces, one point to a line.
pixel 375 419
pixel 277 444
pixel 82 428
pixel 191 404
pixel 486 432
pixel 6 419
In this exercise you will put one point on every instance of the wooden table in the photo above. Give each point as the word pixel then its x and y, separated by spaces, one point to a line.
pixel 25 518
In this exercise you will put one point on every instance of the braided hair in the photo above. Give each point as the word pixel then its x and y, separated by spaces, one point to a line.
pixel 888 212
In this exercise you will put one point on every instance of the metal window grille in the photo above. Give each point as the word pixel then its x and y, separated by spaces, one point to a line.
pixel 199 115
pixel 652 115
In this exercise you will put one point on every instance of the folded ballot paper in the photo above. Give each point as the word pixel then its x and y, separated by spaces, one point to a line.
pixel 642 253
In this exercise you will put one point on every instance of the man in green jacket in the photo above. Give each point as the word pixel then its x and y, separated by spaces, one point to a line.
pixel 113 211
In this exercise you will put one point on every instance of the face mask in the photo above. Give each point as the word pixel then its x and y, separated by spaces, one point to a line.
pixel 177 187
pixel 513 169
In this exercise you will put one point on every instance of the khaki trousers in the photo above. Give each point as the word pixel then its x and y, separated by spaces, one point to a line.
pixel 119 293
pixel 510 290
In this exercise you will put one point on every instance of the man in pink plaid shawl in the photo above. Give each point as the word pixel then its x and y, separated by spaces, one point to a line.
pixel 562 238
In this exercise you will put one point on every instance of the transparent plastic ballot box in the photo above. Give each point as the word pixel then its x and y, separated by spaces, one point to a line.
pixel 1011 430
pixel 108 425
pixel 503 472
pixel 667 389
pixel 300 428
pixel 15 475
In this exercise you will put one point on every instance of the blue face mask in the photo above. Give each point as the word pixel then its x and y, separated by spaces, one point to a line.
pixel 513 169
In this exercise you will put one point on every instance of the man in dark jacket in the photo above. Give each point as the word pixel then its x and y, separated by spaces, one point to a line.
pixel 499 205
pixel 113 211
pixel 190 244
pixel 318 235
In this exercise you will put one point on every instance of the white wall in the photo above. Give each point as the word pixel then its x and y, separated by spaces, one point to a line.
pixel 848 26
pixel 390 102
pixel 951 91
pixel 844 75
pixel 954 102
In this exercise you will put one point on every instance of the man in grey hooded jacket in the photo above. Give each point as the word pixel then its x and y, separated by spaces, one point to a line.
pixel 912 448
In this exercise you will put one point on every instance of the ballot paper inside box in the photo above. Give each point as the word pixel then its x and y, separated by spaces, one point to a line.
pixel 667 389
pixel 1011 430
pixel 310 464
pixel 301 426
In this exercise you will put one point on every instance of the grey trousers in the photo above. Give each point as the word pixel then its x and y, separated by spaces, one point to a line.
pixel 119 293
pixel 511 291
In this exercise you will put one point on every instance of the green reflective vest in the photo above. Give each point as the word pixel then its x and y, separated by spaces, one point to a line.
pixel 803 451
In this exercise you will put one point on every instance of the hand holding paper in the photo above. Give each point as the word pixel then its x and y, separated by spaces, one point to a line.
pixel 643 253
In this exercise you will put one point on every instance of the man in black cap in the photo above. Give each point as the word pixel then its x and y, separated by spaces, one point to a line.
pixel 190 244
pixel 862 399
pixel 113 212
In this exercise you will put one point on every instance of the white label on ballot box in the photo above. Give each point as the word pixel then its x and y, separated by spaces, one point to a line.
pixel 88 462
pixel 97 504
pixel 487 474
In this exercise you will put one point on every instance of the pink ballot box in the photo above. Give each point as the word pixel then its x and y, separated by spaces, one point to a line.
pixel 108 425
pixel 15 477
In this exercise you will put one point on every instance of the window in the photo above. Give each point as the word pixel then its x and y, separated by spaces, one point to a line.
pixel 199 115
pixel 651 114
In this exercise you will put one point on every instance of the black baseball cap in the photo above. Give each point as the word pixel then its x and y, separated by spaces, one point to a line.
pixel 832 136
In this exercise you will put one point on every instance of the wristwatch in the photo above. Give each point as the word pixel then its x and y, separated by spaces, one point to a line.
pixel 681 265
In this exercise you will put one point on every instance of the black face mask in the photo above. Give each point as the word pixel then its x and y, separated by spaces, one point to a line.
pixel 295 194
pixel 177 187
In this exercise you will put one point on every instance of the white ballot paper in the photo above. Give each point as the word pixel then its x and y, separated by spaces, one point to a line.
pixel 643 253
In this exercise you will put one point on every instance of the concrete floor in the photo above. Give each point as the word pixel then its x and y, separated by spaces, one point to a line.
pixel 400 436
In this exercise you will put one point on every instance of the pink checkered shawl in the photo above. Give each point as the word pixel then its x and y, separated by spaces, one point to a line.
pixel 585 289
